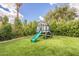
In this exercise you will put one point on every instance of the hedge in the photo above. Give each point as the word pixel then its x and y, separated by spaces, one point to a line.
pixel 69 28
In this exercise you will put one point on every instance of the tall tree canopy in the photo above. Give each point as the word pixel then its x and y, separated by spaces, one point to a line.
pixel 61 13
pixel 5 20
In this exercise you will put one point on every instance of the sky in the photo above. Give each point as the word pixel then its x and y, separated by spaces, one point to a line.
pixel 33 11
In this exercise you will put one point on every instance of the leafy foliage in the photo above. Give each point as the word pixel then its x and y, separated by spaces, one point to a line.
pixel 6 32
pixel 30 28
pixel 70 28
pixel 25 22
pixel 61 13
pixel 5 20
pixel 18 27
pixel 61 21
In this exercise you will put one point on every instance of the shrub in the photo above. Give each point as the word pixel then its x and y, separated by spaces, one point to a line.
pixel 6 32
pixel 69 28
pixel 18 27
pixel 5 20
pixel 30 28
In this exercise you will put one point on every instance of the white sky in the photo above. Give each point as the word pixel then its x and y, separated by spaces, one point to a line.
pixel 76 5
pixel 41 18
pixel 11 7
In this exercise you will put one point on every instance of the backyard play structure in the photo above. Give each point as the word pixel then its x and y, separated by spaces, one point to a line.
pixel 42 29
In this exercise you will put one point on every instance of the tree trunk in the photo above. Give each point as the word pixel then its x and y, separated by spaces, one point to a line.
pixel 17 7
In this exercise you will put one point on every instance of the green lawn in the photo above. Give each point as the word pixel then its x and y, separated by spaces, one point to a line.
pixel 58 45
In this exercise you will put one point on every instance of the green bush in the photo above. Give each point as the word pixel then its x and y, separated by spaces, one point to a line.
pixel 69 28
pixel 6 32
pixel 18 28
pixel 5 20
pixel 30 29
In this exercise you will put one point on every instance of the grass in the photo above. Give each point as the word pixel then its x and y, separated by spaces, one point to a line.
pixel 56 46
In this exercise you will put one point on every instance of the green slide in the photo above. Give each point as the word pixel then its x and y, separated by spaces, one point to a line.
pixel 36 36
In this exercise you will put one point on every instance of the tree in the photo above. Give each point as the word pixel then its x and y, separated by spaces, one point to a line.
pixel 5 20
pixel 61 13
pixel 17 8
pixel 30 28
pixel 18 27
pixel 25 22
